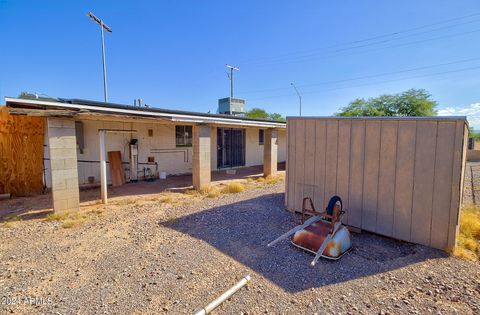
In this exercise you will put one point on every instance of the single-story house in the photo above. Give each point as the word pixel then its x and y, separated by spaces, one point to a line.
pixel 153 142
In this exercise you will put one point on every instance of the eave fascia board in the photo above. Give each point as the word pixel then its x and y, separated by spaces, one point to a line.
pixel 170 116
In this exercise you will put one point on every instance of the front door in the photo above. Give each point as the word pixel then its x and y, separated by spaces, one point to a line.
pixel 230 147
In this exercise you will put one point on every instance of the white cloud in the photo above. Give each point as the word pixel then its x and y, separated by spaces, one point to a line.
pixel 472 112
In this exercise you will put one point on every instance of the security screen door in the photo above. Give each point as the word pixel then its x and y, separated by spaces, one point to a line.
pixel 230 147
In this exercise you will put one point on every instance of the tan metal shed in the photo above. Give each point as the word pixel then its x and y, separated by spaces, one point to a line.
pixel 399 177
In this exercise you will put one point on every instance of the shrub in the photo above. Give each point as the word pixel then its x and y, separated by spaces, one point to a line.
pixel 468 241
pixel 233 188
pixel 210 191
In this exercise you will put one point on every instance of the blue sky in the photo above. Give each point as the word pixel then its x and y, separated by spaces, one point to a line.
pixel 172 54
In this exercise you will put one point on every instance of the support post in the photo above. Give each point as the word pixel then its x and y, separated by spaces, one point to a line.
pixel 62 146
pixel 201 166
pixel 103 167
pixel 270 149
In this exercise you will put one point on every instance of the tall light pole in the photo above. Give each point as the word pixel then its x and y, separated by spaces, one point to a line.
pixel 231 77
pixel 103 26
pixel 299 97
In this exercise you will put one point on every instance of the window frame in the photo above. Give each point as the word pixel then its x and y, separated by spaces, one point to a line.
pixel 186 139
pixel 261 136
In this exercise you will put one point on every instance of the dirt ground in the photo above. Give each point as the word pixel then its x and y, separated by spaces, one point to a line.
pixel 172 255
pixel 471 185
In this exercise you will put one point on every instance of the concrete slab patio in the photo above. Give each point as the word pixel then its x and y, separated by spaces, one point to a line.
pixel 42 205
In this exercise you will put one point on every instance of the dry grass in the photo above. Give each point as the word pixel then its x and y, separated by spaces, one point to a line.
pixel 233 188
pixel 260 180
pixel 10 224
pixel 273 179
pixel 73 222
pixel 468 241
pixel 167 199
pixel 11 220
pixel 71 219
pixel 58 216
pixel 210 191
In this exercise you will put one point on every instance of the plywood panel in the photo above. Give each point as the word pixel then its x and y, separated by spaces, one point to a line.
pixel 343 164
pixel 442 184
pixel 300 163
pixel 291 158
pixel 404 179
pixel 116 168
pixel 458 168
pixel 320 157
pixel 357 154
pixel 310 146
pixel 423 181
pixel 21 154
pixel 331 156
pixel 370 178
pixel 386 178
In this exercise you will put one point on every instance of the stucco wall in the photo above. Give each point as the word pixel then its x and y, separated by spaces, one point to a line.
pixel 161 146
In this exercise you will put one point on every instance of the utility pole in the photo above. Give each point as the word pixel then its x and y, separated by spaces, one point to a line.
pixel 103 26
pixel 231 77
pixel 299 96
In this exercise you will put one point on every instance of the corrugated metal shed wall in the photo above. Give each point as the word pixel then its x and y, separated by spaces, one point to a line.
pixel 399 177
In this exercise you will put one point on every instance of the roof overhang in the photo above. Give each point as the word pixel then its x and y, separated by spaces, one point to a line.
pixel 80 109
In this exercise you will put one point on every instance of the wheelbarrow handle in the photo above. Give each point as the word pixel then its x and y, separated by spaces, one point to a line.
pixel 295 229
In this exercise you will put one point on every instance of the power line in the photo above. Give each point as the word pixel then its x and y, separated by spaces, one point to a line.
pixel 369 76
pixel 378 37
pixel 374 83
pixel 319 56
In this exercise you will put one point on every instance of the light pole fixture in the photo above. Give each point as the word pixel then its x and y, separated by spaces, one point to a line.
pixel 299 97
pixel 103 26
pixel 231 77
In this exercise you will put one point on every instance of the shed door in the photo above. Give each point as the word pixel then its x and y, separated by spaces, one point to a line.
pixel 230 147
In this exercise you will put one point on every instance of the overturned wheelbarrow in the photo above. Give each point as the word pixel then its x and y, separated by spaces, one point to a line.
pixel 323 233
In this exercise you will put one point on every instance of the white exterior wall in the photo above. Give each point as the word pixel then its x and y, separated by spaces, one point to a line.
pixel 254 151
pixel 161 146
pixel 172 160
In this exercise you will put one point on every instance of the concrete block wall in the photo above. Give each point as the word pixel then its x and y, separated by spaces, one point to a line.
pixel 201 171
pixel 63 164
pixel 270 152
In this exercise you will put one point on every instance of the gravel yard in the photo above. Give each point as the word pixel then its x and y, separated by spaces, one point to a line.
pixel 151 256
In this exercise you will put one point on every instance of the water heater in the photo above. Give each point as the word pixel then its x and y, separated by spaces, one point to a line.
pixel 133 160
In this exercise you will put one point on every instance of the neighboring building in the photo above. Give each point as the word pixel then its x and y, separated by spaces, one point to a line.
pixel 170 141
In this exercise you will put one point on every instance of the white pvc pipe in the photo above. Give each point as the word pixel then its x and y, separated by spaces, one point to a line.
pixel 222 298
pixel 103 166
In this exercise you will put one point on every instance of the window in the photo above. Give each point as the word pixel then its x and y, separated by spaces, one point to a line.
pixel 150 132
pixel 261 136
pixel 183 136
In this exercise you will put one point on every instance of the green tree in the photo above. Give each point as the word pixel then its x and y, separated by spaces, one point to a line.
pixel 277 117
pixel 257 113
pixel 473 134
pixel 260 113
pixel 409 103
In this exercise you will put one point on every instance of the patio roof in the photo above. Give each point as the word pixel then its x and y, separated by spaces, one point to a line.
pixel 84 107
